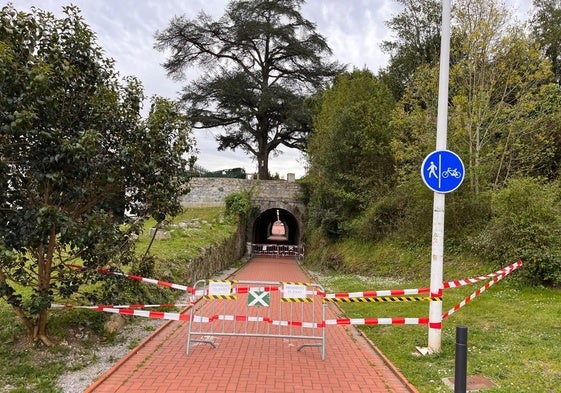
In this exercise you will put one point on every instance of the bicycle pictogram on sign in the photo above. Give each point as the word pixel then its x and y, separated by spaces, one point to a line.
pixel 442 171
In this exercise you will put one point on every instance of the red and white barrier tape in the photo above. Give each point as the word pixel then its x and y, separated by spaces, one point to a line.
pixel 245 318
pixel 504 271
pixel 187 317
pixel 496 277
pixel 132 306
pixel 134 309
pixel 202 292
pixel 150 280
pixel 391 292
pixel 314 325
pixel 241 290
pixel 473 296
pixel 373 293
pixel 377 321
pixel 271 288
pixel 173 316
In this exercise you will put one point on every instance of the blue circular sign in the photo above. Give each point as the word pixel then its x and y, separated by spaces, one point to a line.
pixel 443 171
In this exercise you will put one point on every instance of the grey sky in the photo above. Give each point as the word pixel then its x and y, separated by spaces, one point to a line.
pixel 354 30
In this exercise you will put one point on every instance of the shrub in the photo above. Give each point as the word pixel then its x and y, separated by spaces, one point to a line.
pixel 238 205
pixel 380 218
pixel 526 224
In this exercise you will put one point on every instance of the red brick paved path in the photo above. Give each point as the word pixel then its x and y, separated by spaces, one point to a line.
pixel 254 364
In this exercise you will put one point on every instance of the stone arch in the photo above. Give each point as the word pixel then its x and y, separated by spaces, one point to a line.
pixel 267 196
pixel 261 228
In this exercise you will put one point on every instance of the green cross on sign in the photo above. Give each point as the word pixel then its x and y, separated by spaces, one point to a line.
pixel 258 298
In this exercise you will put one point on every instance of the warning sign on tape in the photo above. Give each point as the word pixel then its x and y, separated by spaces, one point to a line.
pixel 220 290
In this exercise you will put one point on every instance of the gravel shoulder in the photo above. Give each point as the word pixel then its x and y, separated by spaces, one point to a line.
pixel 99 360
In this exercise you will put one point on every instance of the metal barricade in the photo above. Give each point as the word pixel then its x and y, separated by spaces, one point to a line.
pixel 271 309
pixel 278 250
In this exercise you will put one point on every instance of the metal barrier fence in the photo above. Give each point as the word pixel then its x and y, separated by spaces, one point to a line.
pixel 271 309
pixel 278 250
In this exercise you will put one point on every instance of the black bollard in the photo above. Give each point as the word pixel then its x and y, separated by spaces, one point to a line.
pixel 460 378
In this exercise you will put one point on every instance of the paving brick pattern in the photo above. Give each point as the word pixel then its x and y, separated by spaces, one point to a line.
pixel 254 364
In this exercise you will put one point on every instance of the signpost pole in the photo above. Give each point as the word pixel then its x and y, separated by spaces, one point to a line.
pixel 437 257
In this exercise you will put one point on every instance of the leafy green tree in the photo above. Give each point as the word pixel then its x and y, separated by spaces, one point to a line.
pixel 75 154
pixel 349 150
pixel 413 123
pixel 260 60
pixel 501 116
pixel 546 26
pixel 496 64
pixel 417 42
pixel 533 144
pixel 495 73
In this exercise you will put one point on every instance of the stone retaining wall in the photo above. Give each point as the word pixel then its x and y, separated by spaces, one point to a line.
pixel 217 257
pixel 208 191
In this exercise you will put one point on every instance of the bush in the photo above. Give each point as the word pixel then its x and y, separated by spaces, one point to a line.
pixel 411 204
pixel 526 224
pixel 380 218
pixel 238 205
pixel 466 213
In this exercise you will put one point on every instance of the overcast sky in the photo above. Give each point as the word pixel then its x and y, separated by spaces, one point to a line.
pixel 354 30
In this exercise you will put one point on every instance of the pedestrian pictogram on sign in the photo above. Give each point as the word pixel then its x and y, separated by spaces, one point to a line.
pixel 442 171
pixel 258 298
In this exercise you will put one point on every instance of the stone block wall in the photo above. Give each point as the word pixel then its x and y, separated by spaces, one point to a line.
pixel 217 257
pixel 207 191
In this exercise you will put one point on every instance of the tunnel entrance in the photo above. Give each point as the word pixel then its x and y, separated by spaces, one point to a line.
pixel 276 226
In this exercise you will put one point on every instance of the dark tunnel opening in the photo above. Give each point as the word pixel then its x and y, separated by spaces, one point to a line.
pixel 276 226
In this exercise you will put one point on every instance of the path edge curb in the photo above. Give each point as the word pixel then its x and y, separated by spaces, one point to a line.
pixel 371 344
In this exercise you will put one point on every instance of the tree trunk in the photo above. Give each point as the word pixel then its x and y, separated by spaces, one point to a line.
pixel 44 263
pixel 263 166
pixel 40 331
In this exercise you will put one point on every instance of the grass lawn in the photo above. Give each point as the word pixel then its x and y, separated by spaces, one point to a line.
pixel 514 334
pixel 187 242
